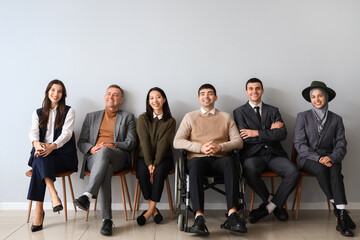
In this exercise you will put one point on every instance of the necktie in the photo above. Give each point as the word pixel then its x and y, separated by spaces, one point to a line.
pixel 257 111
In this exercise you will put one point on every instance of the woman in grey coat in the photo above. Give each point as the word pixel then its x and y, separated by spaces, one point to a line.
pixel 321 145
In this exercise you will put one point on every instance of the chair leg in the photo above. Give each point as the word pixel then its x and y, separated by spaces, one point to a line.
pixel 123 197
pixel 252 200
pixel 127 192
pixel 135 198
pixel 272 185
pixel 295 196
pixel 138 198
pixel 72 192
pixel 95 204
pixel 169 197
pixel 87 214
pixel 29 211
pixel 328 201
pixel 64 193
pixel 299 198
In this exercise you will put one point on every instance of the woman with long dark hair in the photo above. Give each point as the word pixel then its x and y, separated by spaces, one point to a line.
pixel 321 145
pixel 53 149
pixel 156 131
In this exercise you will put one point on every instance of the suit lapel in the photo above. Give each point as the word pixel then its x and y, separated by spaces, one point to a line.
pixel 264 113
pixel 97 124
pixel 252 116
pixel 117 124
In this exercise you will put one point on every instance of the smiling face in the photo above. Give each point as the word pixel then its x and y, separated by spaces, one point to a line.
pixel 207 98
pixel 55 94
pixel 254 91
pixel 317 98
pixel 156 101
pixel 113 98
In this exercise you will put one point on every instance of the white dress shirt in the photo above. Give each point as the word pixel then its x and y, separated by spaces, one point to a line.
pixel 212 111
pixel 259 105
pixel 158 116
pixel 66 132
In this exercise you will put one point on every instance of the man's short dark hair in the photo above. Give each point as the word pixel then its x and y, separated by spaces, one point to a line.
pixel 207 85
pixel 117 86
pixel 254 80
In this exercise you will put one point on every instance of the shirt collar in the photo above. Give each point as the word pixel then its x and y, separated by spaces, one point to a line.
pixel 158 116
pixel 253 105
pixel 212 111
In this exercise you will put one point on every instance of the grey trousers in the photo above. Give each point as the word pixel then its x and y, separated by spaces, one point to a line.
pixel 255 165
pixel 102 166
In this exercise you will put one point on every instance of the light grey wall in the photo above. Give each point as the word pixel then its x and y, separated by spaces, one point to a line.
pixel 176 45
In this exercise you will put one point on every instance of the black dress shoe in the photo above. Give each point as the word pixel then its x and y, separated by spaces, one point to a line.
pixel 58 208
pixel 342 224
pixel 158 217
pixel 106 228
pixel 281 214
pixel 258 213
pixel 35 228
pixel 199 226
pixel 82 202
pixel 235 223
pixel 141 220
pixel 348 219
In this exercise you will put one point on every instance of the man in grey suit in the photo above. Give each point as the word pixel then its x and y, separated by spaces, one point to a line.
pixel 262 129
pixel 107 138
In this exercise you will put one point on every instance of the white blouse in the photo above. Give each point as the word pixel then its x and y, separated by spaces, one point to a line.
pixel 66 132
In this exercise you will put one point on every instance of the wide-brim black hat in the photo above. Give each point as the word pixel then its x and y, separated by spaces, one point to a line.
pixel 318 84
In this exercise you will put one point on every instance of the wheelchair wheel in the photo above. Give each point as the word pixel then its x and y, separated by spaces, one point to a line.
pixel 181 222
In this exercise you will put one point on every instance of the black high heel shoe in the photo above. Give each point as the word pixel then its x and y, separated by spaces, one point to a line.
pixel 158 217
pixel 58 208
pixel 35 228
pixel 141 220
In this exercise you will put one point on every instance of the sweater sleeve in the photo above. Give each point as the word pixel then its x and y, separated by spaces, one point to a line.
pixel 164 143
pixel 144 138
pixel 235 141
pixel 181 140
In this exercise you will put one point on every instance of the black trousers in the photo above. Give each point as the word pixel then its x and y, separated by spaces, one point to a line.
pixel 262 161
pixel 153 190
pixel 47 167
pixel 330 179
pixel 206 166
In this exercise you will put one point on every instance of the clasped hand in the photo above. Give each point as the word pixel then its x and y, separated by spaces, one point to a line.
pixel 43 149
pixel 325 161
pixel 99 146
pixel 210 148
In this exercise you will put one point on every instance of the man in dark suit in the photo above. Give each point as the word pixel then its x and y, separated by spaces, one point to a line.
pixel 107 138
pixel 262 129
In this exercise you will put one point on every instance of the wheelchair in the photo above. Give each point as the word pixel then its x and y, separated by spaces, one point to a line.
pixel 182 189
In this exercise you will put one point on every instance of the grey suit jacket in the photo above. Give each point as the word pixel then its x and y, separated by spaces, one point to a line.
pixel 124 133
pixel 311 146
pixel 245 118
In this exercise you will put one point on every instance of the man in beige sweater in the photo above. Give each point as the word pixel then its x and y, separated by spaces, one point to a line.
pixel 208 135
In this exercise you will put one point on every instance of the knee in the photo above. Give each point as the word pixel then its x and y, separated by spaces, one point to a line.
pixel 102 154
pixel 293 173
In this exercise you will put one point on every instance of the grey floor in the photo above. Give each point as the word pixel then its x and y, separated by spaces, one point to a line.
pixel 312 224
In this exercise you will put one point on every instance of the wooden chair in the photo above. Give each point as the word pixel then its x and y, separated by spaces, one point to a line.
pixel 62 175
pixel 138 194
pixel 297 196
pixel 123 182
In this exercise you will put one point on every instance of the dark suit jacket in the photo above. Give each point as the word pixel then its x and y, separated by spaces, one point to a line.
pixel 311 146
pixel 245 118
pixel 124 133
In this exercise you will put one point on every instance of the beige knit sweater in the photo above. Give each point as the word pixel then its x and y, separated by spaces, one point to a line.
pixel 197 129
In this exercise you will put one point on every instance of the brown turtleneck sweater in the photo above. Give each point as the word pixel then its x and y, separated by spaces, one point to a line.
pixel 107 127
